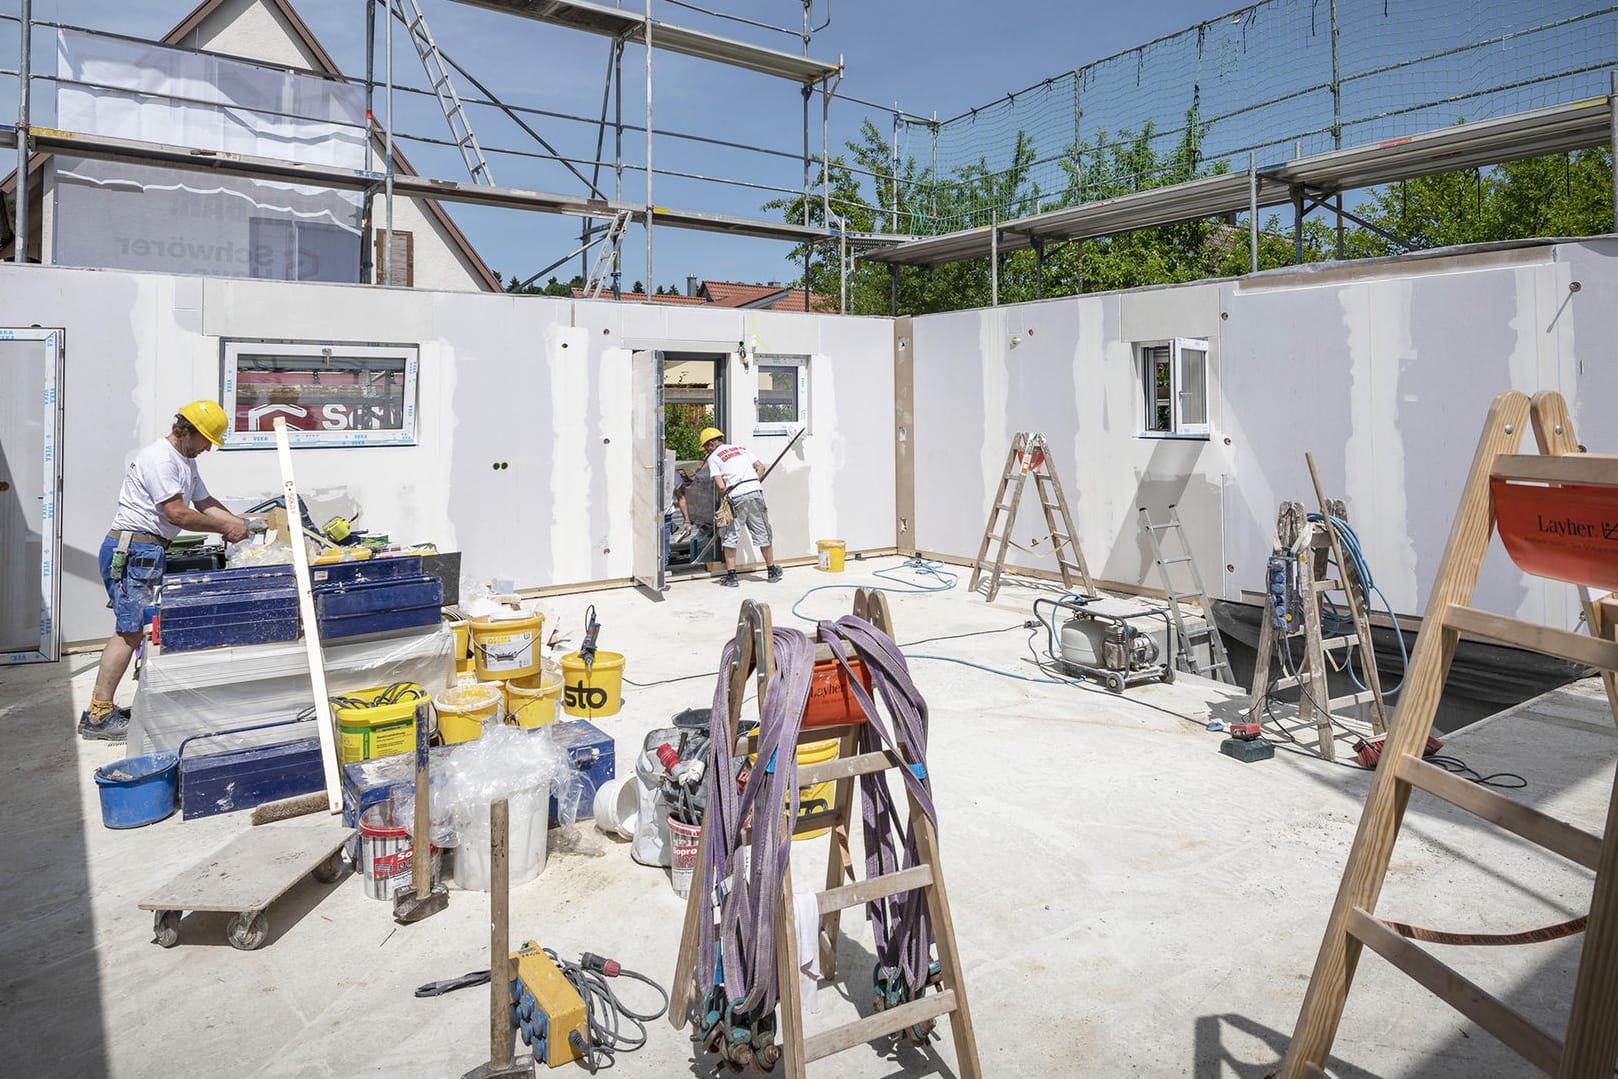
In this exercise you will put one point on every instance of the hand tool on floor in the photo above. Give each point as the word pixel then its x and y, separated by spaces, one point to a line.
pixel 500 964
pixel 423 898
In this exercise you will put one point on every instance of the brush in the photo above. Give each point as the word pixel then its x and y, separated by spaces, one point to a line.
pixel 288 808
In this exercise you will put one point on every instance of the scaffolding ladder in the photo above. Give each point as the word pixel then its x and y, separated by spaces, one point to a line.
pixel 606 254
pixel 1031 456
pixel 432 61
pixel 1219 664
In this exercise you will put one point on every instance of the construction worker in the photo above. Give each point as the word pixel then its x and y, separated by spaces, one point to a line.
pixel 739 477
pixel 162 493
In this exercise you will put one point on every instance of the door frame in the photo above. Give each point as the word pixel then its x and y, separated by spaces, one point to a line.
pixel 50 517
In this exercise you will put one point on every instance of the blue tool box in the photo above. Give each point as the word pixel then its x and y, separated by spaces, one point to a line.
pixel 369 569
pixel 238 579
pixel 348 610
pixel 202 617
pixel 243 778
pixel 593 755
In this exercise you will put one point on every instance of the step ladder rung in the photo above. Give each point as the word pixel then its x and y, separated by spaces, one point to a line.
pixel 878 1024
pixel 1540 829
pixel 1174 561
pixel 865 891
pixel 1347 700
pixel 1178 596
pixel 1459 992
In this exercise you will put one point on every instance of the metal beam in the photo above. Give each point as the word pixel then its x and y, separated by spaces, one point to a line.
pixel 629 25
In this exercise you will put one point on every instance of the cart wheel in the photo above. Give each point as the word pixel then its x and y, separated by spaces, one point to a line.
pixel 1115 683
pixel 330 869
pixel 248 929
pixel 166 927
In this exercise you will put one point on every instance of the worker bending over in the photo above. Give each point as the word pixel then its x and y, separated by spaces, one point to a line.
pixel 739 476
pixel 162 493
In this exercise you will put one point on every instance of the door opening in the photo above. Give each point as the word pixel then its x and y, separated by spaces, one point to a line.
pixel 30 485
pixel 694 398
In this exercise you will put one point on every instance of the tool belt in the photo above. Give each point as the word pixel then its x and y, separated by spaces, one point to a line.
pixel 136 537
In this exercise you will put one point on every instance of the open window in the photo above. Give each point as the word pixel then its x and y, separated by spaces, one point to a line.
pixel 1174 387
pixel 783 394
pixel 330 393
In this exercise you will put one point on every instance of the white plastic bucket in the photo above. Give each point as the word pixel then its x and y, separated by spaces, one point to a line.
pixel 683 841
pixel 528 821
pixel 617 806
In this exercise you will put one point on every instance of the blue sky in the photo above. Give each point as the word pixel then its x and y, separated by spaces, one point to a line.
pixel 927 57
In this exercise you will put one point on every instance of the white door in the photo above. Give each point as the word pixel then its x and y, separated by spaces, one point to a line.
pixel 30 479
pixel 650 501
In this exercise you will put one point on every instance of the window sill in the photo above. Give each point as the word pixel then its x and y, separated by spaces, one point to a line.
pixel 776 430
pixel 1173 436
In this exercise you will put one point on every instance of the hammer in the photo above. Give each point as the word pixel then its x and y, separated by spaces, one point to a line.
pixel 422 898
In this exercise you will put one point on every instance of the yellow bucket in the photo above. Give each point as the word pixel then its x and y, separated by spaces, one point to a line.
pixel 463 645
pixel 532 699
pixel 366 730
pixel 464 708
pixel 817 753
pixel 507 647
pixel 596 692
pixel 831 555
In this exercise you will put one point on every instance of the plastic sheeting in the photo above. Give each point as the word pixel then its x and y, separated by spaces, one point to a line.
pixel 218 689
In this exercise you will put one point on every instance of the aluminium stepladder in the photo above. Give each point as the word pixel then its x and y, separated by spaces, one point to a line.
pixel 1031 456
pixel 755 653
pixel 1219 665
pixel 1590 1043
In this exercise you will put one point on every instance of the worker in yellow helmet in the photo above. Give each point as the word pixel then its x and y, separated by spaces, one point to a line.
pixel 739 476
pixel 162 493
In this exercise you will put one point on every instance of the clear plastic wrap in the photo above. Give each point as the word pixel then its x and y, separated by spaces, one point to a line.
pixel 218 689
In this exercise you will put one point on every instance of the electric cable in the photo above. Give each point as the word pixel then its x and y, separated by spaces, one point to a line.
pixel 1336 624
pixel 946 581
pixel 605 1013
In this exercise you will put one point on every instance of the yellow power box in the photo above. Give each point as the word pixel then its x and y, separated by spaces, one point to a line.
pixel 548 1009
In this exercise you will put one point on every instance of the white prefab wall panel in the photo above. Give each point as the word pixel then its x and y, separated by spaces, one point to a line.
pixel 1066 369
pixel 523 458
pixel 1385 372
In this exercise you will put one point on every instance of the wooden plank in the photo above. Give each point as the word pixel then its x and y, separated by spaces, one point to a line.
pixel 1592 1036
pixel 1515 1032
pixel 862 892
pixel 1488 626
pixel 846 767
pixel 1356 609
pixel 1322 1008
pixel 1595 469
pixel 839 858
pixel 254 869
pixel 326 729
pixel 877 1025
pixel 789 995
pixel 949 959
pixel 1540 829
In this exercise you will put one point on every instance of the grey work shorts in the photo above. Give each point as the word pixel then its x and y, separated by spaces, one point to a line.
pixel 751 512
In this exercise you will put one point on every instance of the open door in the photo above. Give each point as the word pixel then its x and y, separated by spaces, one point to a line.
pixel 30 479
pixel 650 497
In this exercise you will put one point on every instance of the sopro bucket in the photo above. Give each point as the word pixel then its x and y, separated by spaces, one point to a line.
pixel 464 708
pixel 596 691
pixel 138 790
pixel 683 839
pixel 386 854
pixel 831 555
pixel 532 699
pixel 507 647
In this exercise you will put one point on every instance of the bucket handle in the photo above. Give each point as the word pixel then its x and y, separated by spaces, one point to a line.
pixel 240 730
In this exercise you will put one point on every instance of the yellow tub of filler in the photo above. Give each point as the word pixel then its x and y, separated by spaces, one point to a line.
pixel 464 709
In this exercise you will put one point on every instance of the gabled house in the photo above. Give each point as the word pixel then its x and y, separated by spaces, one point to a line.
pixel 769 297
pixel 145 217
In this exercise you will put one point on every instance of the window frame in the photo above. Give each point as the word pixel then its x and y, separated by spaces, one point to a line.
pixel 1147 358
pixel 762 427
pixel 231 349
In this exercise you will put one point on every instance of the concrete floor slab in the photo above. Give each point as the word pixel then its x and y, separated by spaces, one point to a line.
pixel 1128 902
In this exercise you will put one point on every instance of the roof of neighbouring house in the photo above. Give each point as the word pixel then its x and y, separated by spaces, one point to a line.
pixel 732 294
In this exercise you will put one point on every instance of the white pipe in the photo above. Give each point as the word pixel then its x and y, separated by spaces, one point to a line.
pixel 387 156
pixel 1252 211
pixel 20 241
pixel 648 147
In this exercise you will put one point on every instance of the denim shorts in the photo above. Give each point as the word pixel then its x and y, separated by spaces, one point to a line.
pixel 143 575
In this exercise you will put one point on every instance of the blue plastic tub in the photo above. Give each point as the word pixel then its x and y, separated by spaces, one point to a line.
pixel 138 790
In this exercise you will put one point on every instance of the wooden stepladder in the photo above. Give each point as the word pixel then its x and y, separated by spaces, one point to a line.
pixel 945 993
pixel 1030 456
pixel 1179 554
pixel 1315 700
pixel 1580 490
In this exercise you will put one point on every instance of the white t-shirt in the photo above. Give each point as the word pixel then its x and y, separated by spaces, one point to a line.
pixel 157 474
pixel 734 465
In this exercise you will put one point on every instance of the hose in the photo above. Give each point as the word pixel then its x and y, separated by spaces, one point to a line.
pixel 1334 623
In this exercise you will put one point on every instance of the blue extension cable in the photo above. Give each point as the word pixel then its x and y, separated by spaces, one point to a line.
pixel 1335 623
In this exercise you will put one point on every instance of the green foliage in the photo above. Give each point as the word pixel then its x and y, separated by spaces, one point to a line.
pixel 681 425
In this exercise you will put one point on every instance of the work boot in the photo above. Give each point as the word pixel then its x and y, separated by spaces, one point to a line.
pixel 774 573
pixel 729 579
pixel 112 727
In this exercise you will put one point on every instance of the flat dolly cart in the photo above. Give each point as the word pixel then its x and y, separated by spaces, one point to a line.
pixel 248 874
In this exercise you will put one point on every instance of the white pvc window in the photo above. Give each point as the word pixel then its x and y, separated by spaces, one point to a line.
pixel 329 393
pixel 783 394
pixel 1174 387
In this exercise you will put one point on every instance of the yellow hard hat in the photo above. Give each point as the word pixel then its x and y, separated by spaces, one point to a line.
pixel 208 418
pixel 708 435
